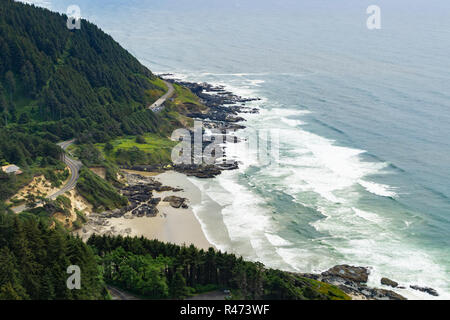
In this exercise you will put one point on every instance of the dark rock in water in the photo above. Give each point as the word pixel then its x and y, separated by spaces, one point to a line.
pixel 199 171
pixel 175 201
pixel 356 274
pixel 382 294
pixel 165 188
pixel 389 282
pixel 145 210
pixel 341 277
pixel 228 166
pixel 155 201
pixel 430 291
pixel 219 96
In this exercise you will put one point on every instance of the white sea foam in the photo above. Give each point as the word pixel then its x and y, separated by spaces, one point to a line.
pixel 322 175
pixel 277 241
pixel 244 216
pixel 292 122
pixel 369 216
pixel 317 165
pixel 378 188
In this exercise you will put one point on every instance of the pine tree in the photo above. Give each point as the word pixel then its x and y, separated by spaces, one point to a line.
pixel 178 286
pixel 10 83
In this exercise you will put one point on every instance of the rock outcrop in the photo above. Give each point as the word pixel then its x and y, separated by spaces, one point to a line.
pixel 352 280
pixel 389 282
pixel 199 171
pixel 430 291
pixel 355 274
pixel 176 202
pixel 139 193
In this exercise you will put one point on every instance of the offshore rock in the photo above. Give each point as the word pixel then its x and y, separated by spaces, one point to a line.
pixel 199 171
pixel 430 291
pixel 389 282
pixel 176 202
pixel 352 280
pixel 355 274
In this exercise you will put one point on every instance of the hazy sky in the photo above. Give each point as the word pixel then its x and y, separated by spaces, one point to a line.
pixel 437 6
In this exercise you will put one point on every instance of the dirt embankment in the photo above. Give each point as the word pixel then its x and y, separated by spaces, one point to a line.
pixel 78 209
pixel 38 187
pixel 41 187
pixel 100 171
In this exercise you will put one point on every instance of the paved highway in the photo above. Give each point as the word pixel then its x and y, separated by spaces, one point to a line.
pixel 158 105
pixel 117 294
pixel 74 167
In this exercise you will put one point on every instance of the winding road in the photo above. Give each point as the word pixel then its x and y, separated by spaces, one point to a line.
pixel 117 294
pixel 157 106
pixel 74 166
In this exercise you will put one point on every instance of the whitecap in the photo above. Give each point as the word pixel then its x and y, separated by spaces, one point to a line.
pixel 378 188
pixel 276 240
pixel 369 216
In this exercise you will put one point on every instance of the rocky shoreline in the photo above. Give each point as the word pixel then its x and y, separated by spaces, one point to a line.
pixel 353 281
pixel 223 116
pixel 160 207
pixel 140 191
pixel 140 194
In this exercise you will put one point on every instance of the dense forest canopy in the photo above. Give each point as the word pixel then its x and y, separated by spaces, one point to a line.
pixel 58 83
pixel 159 270
pixel 34 261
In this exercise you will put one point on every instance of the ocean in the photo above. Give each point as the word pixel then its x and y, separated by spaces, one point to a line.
pixel 362 176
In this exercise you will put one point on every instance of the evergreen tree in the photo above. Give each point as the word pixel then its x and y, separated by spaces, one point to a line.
pixel 178 286
pixel 10 84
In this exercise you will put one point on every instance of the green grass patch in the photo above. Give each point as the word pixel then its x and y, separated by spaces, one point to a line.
pixel 331 291
pixel 158 90
pixel 184 95
pixel 158 82
pixel 127 151
pixel 183 102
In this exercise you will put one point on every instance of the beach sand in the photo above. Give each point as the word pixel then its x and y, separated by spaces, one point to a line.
pixel 179 226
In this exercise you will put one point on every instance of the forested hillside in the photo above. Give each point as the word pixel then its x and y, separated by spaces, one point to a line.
pixel 62 83
pixel 34 261
pixel 157 270
pixel 57 84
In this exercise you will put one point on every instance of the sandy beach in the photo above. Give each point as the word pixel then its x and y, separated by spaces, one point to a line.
pixel 179 226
